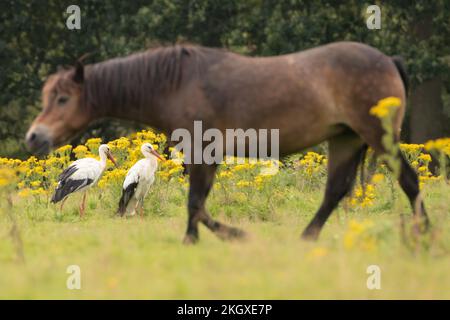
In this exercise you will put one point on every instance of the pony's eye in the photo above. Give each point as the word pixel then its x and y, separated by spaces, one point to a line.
pixel 62 100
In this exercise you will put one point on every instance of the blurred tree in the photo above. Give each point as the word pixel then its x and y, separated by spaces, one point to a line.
pixel 427 118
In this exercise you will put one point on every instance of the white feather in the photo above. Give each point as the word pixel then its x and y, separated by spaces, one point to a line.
pixel 88 168
pixel 142 173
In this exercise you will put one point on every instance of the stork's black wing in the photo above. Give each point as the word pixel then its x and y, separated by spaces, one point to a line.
pixel 67 184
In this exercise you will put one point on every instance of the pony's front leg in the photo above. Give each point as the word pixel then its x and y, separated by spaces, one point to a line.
pixel 201 178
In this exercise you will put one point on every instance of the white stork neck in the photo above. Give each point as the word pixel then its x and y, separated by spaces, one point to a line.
pixel 103 158
pixel 147 155
pixel 151 157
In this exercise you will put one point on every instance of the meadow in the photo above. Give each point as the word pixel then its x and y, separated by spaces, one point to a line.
pixel 143 258
pixel 138 257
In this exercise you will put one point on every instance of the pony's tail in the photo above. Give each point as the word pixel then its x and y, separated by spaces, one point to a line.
pixel 400 65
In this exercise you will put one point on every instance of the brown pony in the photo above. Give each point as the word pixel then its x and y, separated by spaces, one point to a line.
pixel 320 94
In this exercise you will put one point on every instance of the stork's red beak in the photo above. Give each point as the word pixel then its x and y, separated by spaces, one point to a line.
pixel 156 154
pixel 110 157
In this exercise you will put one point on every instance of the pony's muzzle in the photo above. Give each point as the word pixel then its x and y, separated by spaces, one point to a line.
pixel 38 140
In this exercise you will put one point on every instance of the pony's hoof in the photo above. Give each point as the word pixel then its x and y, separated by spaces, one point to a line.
pixel 190 239
pixel 310 235
pixel 230 233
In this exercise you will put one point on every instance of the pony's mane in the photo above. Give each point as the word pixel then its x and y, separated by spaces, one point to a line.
pixel 140 78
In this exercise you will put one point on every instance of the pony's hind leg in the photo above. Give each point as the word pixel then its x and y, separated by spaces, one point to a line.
pixel 410 184
pixel 201 178
pixel 346 152
pixel 408 180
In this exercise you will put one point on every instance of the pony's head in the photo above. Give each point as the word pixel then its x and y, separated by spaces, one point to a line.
pixel 63 114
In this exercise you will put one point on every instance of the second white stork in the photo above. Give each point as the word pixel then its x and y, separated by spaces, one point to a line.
pixel 80 176
pixel 138 181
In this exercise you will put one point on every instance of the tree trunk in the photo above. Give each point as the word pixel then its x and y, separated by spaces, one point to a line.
pixel 427 110
pixel 426 117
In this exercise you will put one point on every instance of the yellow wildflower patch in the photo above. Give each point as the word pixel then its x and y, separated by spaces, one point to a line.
pixel 385 107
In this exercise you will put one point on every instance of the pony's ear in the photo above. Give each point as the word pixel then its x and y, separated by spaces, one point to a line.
pixel 78 75
pixel 79 68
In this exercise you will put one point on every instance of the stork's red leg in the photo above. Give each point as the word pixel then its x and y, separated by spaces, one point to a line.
pixel 62 204
pixel 83 205
pixel 136 209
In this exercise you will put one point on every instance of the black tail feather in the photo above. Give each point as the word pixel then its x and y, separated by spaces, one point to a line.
pixel 67 187
pixel 127 194
pixel 57 196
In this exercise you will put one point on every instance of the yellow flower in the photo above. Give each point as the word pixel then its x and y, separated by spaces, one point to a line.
pixel 225 174
pixel 38 191
pixel 24 193
pixel 363 198
pixel 312 163
pixel 122 143
pixel 112 282
pixel 425 157
pixel 357 235
pixel 164 175
pixel 39 170
pixel 442 145
pixel 80 151
pixel 317 253
pixel 385 106
pixel 243 183
pixel 423 169
pixel 7 176
pixel 94 141
pixel 93 144
pixel 242 166
pixel 35 184
pixel 378 177
pixel 64 149
pixel 175 170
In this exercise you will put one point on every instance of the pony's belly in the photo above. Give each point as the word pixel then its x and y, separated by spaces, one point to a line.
pixel 297 140
pixel 287 140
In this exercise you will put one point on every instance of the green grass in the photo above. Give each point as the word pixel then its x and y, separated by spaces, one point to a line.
pixel 144 258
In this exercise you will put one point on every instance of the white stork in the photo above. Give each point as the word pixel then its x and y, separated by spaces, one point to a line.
pixel 138 181
pixel 81 175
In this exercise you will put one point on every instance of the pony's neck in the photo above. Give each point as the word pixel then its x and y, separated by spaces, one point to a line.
pixel 136 87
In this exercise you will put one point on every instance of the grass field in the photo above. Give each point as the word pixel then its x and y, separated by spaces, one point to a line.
pixel 144 258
